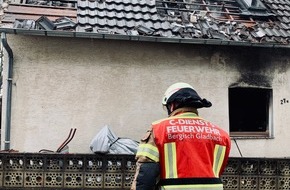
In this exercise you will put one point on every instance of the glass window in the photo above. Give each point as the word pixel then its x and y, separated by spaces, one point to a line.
pixel 254 4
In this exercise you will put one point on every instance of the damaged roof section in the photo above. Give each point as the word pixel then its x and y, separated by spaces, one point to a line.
pixel 188 19
pixel 39 15
pixel 252 21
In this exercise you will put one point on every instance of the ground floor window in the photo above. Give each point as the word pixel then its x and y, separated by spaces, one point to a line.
pixel 250 112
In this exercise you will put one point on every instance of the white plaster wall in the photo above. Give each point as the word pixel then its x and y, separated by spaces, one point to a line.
pixel 64 83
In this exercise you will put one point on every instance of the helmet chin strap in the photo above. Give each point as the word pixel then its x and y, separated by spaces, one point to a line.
pixel 170 108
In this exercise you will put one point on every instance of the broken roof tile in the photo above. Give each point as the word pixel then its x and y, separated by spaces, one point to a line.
pixel 26 24
pixel 64 23
pixel 45 24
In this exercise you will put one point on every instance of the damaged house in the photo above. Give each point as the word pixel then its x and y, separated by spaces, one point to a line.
pixel 86 64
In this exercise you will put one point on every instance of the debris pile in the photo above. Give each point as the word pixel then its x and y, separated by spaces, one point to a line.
pixel 53 3
pixel 43 23
pixel 197 25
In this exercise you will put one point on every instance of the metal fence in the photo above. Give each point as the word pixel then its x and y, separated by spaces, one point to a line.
pixel 91 171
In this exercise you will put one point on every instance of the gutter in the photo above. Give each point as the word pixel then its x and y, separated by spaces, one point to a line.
pixel 9 91
pixel 106 36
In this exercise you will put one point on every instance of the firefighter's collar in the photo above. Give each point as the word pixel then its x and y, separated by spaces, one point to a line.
pixel 183 110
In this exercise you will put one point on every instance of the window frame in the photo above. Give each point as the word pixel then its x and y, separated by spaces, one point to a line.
pixel 260 5
pixel 268 133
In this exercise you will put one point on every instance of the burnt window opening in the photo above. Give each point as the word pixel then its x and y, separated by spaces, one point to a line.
pixel 250 112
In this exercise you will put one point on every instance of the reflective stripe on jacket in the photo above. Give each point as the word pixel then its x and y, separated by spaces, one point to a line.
pixel 192 152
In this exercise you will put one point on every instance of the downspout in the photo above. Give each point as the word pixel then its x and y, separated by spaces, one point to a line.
pixel 9 91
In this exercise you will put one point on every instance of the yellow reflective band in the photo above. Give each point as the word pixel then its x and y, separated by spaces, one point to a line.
pixel 199 187
pixel 148 150
pixel 170 160
pixel 219 155
pixel 187 115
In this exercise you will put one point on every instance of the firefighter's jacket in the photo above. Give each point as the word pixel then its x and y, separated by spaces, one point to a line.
pixel 192 152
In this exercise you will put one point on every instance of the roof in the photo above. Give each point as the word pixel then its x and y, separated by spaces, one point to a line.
pixel 227 22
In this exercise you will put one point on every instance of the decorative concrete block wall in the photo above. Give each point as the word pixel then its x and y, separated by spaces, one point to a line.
pixel 92 171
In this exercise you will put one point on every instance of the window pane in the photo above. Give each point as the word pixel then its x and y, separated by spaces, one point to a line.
pixel 254 4
pixel 248 2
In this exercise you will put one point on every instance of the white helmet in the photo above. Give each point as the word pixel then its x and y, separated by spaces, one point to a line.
pixel 174 88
